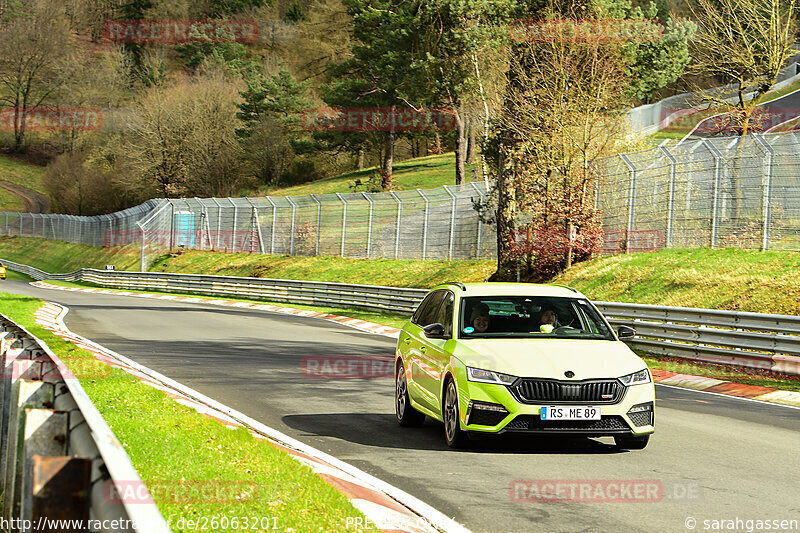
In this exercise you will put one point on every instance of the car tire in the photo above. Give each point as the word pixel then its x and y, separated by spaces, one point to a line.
pixel 453 434
pixel 632 443
pixel 407 416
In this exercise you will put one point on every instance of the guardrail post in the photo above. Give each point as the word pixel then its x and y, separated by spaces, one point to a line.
pixel 452 222
pixel 344 220
pixel 45 433
pixel 274 220
pixel 58 488
pixel 294 219
pixel 319 221
pixel 424 224
pixel 631 200
pixel 397 226
pixel 766 188
pixel 480 223
pixel 369 226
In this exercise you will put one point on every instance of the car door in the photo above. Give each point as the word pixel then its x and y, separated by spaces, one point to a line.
pixel 433 354
pixel 416 345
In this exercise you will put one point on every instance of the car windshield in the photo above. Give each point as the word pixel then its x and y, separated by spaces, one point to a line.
pixel 531 317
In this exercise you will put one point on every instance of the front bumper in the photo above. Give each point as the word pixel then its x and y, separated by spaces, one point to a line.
pixel 491 408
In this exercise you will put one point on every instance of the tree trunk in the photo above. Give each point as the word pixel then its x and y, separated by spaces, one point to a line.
pixel 360 158
pixel 461 147
pixel 386 162
pixel 505 218
pixel 437 143
pixel 470 140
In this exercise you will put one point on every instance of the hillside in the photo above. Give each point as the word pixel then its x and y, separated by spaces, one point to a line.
pixel 18 173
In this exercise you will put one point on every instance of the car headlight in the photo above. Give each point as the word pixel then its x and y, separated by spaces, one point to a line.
pixel 487 376
pixel 637 378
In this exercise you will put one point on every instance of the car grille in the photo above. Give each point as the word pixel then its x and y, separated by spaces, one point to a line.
pixel 534 423
pixel 642 418
pixel 551 391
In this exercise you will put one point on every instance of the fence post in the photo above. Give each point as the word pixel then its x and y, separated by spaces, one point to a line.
pixel 294 215
pixel 397 227
pixel 480 222
pixel 715 200
pixel 766 186
pixel 452 222
pixel 631 197
pixel 255 226
pixel 671 201
pixel 424 225
pixel 344 220
pixel 319 221
pixel 219 223
pixel 171 224
pixel 235 222
pixel 274 220
pixel 369 226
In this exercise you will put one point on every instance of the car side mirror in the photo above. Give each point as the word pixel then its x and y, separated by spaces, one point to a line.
pixel 434 331
pixel 626 332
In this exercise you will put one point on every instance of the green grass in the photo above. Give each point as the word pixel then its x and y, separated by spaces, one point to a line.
pixel 419 173
pixel 735 279
pixel 19 173
pixel 183 456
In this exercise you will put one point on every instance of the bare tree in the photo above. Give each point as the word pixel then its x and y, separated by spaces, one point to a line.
pixel 563 110
pixel 744 42
pixel 35 53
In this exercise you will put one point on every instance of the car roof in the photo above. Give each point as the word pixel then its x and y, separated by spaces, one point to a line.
pixel 511 289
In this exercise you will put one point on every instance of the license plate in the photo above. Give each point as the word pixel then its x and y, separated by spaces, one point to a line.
pixel 570 412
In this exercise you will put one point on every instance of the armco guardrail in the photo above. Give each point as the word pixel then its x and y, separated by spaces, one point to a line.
pixel 752 340
pixel 59 460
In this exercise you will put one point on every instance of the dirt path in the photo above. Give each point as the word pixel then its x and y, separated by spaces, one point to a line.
pixel 32 201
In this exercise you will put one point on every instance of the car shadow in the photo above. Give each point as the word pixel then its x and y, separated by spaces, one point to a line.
pixel 381 430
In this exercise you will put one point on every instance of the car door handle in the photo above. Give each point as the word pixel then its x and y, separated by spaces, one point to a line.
pixel 407 340
pixel 423 349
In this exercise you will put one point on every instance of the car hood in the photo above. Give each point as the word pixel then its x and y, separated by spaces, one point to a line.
pixel 550 358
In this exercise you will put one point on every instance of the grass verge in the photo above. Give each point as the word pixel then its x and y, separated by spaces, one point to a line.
pixel 418 173
pixel 195 467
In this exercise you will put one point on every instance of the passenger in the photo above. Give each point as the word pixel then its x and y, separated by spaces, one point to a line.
pixel 479 318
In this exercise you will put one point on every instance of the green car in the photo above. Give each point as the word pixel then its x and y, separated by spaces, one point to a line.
pixel 522 358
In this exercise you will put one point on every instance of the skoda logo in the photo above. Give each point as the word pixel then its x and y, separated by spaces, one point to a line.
pixel 569 374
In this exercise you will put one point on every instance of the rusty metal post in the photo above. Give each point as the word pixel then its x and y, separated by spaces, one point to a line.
pixel 59 489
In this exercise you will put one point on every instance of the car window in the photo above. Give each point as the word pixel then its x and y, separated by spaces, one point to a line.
pixel 445 315
pixel 422 306
pixel 428 314
pixel 531 316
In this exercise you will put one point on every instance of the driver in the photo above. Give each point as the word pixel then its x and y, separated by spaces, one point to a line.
pixel 479 317
pixel 548 321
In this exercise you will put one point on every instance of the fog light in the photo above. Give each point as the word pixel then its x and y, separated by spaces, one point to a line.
pixel 485 414
pixel 641 407
pixel 641 414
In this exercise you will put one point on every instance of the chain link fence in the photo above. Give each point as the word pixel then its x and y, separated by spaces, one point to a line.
pixel 729 191
pixel 717 192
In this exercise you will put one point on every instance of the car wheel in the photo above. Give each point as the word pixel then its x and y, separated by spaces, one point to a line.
pixel 632 443
pixel 453 434
pixel 406 415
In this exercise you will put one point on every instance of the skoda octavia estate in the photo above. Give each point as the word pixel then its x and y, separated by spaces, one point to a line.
pixel 524 358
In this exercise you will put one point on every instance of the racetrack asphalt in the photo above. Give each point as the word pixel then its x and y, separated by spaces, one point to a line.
pixel 717 458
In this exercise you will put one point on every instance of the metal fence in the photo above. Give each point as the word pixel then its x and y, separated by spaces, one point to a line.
pixel 756 341
pixel 58 457
pixel 740 191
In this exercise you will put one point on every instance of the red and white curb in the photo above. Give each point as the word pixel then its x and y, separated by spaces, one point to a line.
pixel 663 377
pixel 363 325
pixel 387 507
pixel 727 388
